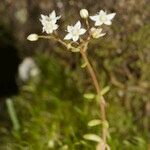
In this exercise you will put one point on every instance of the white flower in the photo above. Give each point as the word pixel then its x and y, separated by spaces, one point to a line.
pixel 32 37
pixel 49 22
pixel 84 13
pixel 103 18
pixel 28 69
pixel 74 32
pixel 97 33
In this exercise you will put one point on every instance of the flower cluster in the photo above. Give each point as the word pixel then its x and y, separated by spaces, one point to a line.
pixel 78 44
pixel 49 24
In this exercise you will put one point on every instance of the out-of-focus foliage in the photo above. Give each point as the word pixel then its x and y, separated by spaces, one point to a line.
pixel 52 111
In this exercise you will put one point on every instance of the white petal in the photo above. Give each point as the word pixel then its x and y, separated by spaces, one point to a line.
pixel 58 17
pixel 52 15
pixel 55 26
pixel 102 34
pixel 42 16
pixel 82 31
pixel 42 22
pixel 69 28
pixel 94 18
pixel 43 19
pixel 68 36
pixel 98 23
pixel 111 16
pixel 78 25
pixel 108 22
pixel 48 31
pixel 75 38
pixel 102 12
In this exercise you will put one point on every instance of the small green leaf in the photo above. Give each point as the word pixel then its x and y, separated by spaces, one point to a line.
pixel 89 95
pixel 92 137
pixel 94 122
pixel 105 90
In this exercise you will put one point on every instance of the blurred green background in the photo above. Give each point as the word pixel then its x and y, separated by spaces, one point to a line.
pixel 51 110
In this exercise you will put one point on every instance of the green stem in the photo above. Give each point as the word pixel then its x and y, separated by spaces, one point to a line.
pixel 100 96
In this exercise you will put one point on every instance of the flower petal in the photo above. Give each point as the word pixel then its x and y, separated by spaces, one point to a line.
pixel 102 13
pixel 98 23
pixel 69 28
pixel 49 31
pixel 82 31
pixel 94 18
pixel 108 22
pixel 78 25
pixel 58 17
pixel 75 38
pixel 68 36
pixel 111 16
pixel 42 16
pixel 55 26
pixel 102 34
pixel 52 15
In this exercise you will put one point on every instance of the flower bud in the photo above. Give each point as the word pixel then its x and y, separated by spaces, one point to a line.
pixel 84 13
pixel 33 37
pixel 96 33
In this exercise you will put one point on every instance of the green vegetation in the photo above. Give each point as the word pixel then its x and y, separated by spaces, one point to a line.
pixel 54 109
pixel 53 113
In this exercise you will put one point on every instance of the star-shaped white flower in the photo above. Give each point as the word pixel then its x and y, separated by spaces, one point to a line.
pixel 103 18
pixel 74 32
pixel 49 22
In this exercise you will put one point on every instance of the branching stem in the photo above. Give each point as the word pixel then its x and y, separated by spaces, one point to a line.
pixel 101 98
pixel 102 103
